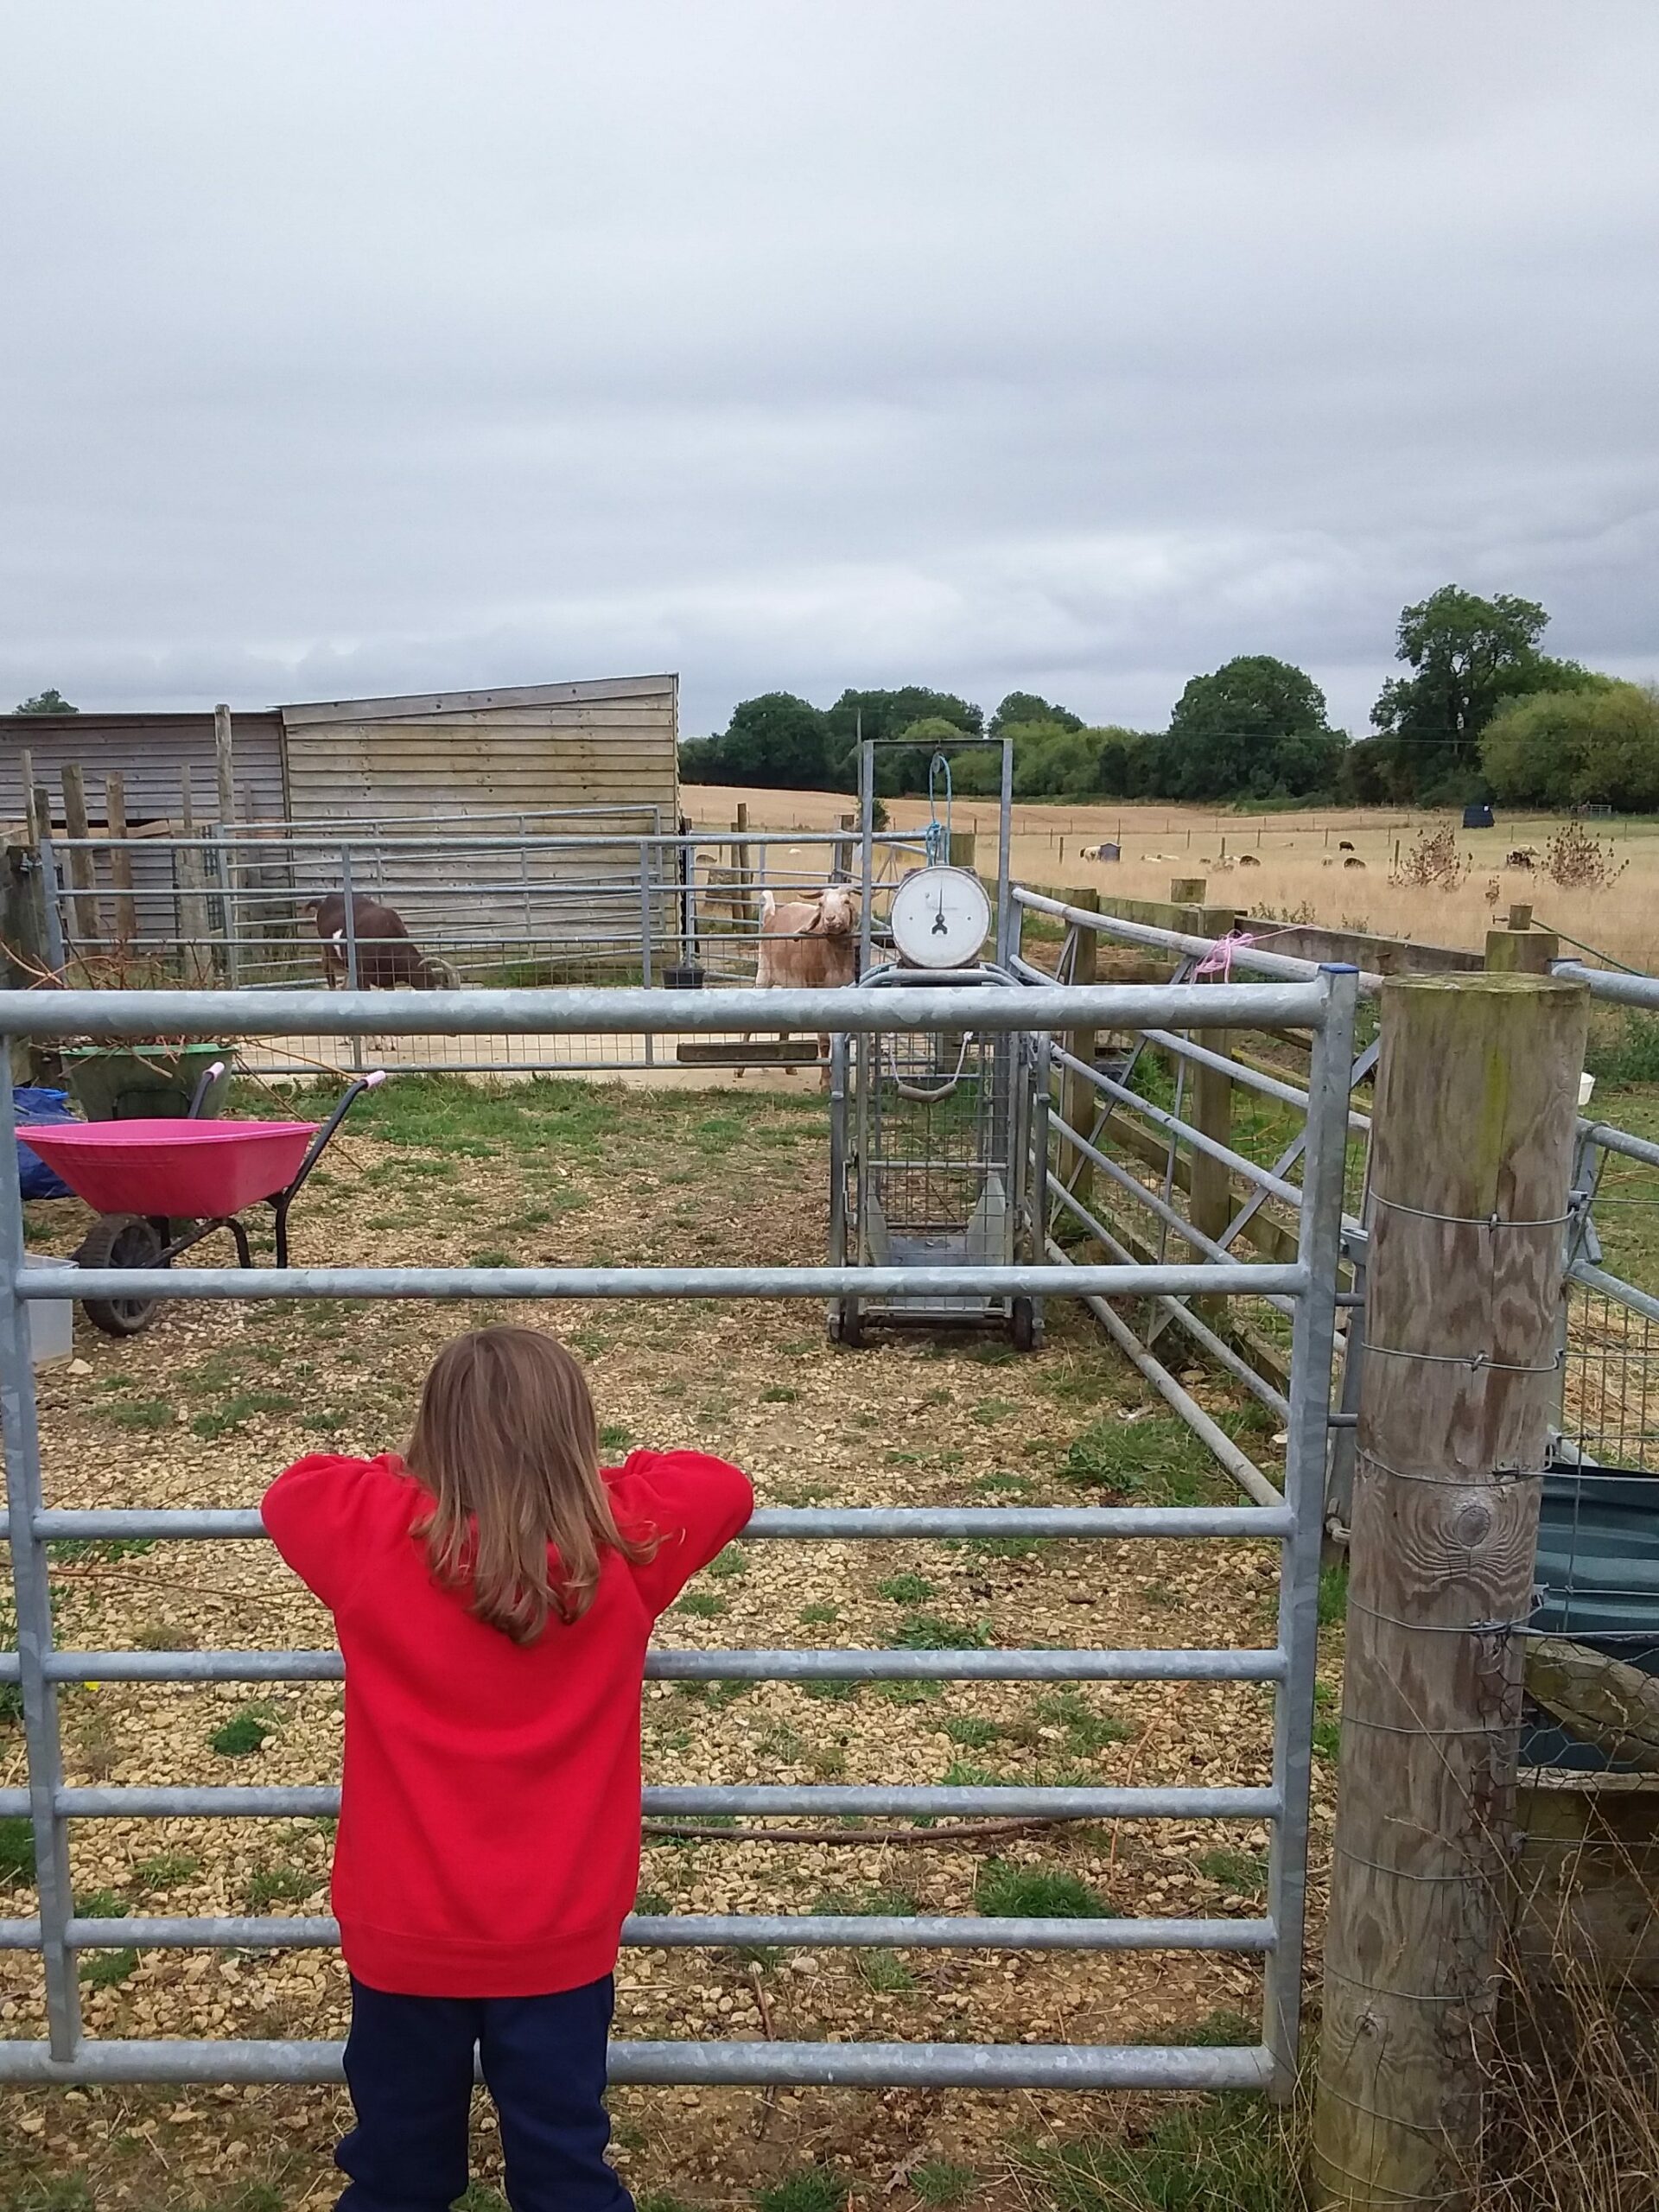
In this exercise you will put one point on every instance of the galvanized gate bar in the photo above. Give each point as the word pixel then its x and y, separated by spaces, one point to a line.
pixel 789 1524
pixel 1183 1131
pixel 708 1931
pixel 1254 958
pixel 222 1015
pixel 1318 1246
pixel 1323 1005
pixel 820 2065
pixel 778 1800
pixel 1238 1278
pixel 842 1663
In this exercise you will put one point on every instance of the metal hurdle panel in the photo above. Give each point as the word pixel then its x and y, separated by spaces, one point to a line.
pixel 1325 1005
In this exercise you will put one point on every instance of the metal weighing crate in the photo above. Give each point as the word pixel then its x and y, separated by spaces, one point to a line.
pixel 936 1144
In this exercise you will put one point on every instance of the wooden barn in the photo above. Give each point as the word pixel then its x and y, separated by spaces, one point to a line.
pixel 325 785
pixel 534 748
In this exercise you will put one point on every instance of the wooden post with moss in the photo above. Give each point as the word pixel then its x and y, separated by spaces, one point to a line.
pixel 1477 1098
pixel 1520 949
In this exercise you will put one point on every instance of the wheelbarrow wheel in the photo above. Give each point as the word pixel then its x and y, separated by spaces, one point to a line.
pixel 117 1240
pixel 1023 1324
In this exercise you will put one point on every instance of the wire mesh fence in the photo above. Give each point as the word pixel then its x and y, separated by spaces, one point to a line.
pixel 609 899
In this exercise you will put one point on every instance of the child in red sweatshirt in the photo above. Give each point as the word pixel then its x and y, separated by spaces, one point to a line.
pixel 493 1590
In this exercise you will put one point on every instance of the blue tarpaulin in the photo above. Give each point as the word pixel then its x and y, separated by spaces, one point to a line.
pixel 1598 1583
pixel 39 1108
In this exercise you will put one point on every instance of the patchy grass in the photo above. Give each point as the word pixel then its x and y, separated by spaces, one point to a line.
pixel 1006 1892
pixel 1333 1595
pixel 931 1632
pixel 905 1589
pixel 281 1884
pixel 937 2181
pixel 150 1413
pixel 1223 2154
pixel 703 1605
pixel 1157 1461
pixel 107 1969
pixel 975 1733
pixel 884 1973
pixel 1084 1729
pixel 16 1849
pixel 238 1737
pixel 165 1872
pixel 237 1412
pixel 812 2188
pixel 1243 1873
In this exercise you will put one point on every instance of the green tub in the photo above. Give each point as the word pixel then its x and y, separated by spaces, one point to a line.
pixel 129 1082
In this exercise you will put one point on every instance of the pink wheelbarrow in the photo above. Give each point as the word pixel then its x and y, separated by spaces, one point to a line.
pixel 160 1187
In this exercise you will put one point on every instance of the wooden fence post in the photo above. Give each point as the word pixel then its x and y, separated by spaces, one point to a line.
pixel 224 763
pixel 197 960
pixel 1079 1097
pixel 1477 1099
pixel 115 816
pixel 26 771
pixel 960 848
pixel 83 905
pixel 1520 949
pixel 740 871
pixel 226 856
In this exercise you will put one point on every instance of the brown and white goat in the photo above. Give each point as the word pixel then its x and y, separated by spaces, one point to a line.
pixel 809 945
pixel 387 958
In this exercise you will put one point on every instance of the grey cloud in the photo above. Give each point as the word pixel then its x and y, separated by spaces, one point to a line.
pixel 1073 345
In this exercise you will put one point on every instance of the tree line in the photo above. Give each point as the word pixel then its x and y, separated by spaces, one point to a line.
pixel 1482 712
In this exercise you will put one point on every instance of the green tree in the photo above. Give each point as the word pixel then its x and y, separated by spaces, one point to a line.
pixel 774 739
pixel 1229 736
pixel 1128 762
pixel 47 703
pixel 1467 655
pixel 1598 745
pixel 889 714
pixel 1021 708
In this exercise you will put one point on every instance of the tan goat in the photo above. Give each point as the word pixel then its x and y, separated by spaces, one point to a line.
pixel 809 945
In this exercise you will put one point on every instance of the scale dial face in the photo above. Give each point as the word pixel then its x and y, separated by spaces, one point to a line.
pixel 941 917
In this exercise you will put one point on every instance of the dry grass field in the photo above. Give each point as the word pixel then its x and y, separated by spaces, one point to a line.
pixel 1299 872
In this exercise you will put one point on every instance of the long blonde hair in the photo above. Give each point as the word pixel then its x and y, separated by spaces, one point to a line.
pixel 506 1443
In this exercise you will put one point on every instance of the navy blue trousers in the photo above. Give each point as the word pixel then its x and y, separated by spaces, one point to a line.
pixel 409 2066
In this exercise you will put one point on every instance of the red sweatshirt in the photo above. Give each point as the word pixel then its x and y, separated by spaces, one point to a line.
pixel 489 1829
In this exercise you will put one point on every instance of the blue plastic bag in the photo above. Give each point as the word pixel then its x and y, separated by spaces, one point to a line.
pixel 39 1109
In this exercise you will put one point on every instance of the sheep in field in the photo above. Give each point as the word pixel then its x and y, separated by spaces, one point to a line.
pixel 809 945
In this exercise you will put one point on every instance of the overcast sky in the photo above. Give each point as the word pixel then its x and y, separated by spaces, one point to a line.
pixel 1064 345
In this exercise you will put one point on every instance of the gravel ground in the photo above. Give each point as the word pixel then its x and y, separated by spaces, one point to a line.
pixel 208 1405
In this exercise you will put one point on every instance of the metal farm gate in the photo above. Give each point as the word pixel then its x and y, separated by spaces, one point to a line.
pixel 1322 1006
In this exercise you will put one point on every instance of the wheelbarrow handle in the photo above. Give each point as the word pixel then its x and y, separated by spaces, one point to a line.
pixel 205 1082
pixel 318 1146
pixel 320 1143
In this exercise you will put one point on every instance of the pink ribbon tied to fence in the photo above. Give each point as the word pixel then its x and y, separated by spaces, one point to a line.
pixel 1219 960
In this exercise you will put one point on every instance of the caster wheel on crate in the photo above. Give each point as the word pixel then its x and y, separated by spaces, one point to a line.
pixel 120 1241
pixel 1023 1325
pixel 846 1328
